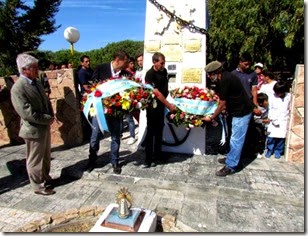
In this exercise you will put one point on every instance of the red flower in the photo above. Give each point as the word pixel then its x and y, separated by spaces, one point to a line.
pixel 98 93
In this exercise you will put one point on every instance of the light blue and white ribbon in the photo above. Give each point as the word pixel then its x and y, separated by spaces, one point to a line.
pixel 199 107
pixel 108 89
pixel 195 107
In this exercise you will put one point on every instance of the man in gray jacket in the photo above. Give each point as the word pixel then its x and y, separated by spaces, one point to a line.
pixel 34 108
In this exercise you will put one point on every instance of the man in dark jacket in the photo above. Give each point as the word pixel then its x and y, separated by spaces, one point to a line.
pixel 115 68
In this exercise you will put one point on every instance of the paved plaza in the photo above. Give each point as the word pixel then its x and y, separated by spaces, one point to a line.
pixel 266 196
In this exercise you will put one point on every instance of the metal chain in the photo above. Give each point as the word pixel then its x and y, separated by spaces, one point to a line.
pixel 189 25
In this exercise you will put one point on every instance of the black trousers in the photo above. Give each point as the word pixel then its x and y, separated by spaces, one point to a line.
pixel 154 136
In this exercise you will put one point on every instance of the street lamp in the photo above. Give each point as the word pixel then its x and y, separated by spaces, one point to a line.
pixel 72 35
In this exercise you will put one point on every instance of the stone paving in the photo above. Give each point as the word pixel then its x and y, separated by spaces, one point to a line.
pixel 266 196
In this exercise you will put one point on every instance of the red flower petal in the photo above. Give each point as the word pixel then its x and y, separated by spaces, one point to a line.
pixel 98 93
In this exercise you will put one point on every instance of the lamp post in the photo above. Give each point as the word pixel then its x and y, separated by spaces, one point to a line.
pixel 72 35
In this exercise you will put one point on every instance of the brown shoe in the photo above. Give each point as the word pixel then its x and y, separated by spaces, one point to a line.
pixel 225 171
pixel 222 160
pixel 45 192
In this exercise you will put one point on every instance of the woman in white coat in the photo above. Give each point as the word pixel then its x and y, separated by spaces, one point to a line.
pixel 279 116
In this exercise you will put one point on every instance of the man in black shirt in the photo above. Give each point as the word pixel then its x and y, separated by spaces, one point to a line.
pixel 85 74
pixel 239 106
pixel 157 77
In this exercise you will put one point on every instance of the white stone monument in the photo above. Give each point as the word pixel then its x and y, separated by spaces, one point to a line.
pixel 177 29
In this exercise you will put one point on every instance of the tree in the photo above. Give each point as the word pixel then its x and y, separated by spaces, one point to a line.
pixel 21 27
pixel 271 31
pixel 106 54
pixel 97 56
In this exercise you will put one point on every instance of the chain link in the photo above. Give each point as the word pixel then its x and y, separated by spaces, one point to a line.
pixel 185 24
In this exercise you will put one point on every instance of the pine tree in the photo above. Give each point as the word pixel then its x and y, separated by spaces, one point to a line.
pixel 21 28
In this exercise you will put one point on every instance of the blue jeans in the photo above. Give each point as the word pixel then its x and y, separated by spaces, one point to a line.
pixel 238 134
pixel 276 146
pixel 115 129
pixel 96 136
pixel 131 125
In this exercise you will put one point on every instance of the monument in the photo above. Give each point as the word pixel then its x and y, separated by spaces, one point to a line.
pixel 177 29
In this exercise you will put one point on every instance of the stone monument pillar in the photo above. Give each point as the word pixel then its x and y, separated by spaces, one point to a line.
pixel 177 29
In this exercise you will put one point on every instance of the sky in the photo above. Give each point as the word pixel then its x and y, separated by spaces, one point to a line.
pixel 99 22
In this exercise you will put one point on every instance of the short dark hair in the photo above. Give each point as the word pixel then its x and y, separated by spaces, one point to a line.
pixel 139 55
pixel 83 57
pixel 261 98
pixel 269 74
pixel 245 56
pixel 121 54
pixel 156 56
pixel 131 59
pixel 280 87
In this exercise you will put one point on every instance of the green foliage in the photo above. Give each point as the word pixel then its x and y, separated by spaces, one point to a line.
pixel 22 26
pixel 271 31
pixel 106 54
pixel 99 56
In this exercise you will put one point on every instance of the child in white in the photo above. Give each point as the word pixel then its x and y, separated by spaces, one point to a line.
pixel 279 115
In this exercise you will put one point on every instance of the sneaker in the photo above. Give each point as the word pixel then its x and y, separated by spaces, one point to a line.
pixel 222 160
pixel 225 171
pixel 267 155
pixel 277 156
pixel 131 140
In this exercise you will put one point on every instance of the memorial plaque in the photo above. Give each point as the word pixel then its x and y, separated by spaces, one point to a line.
pixel 192 45
pixel 173 53
pixel 172 39
pixel 192 75
pixel 152 46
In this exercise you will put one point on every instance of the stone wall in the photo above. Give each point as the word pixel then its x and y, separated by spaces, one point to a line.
pixel 9 119
pixel 67 129
pixel 295 142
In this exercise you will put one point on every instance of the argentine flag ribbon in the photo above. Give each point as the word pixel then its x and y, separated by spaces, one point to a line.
pixel 195 107
pixel 107 89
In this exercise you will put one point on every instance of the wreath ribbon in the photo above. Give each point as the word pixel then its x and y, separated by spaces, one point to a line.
pixel 107 89
pixel 199 107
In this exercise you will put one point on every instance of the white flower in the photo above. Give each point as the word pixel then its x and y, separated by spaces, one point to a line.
pixel 138 105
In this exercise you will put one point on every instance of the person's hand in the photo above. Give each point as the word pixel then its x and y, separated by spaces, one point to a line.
pixel 172 108
pixel 256 111
pixel 207 119
pixel 266 121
